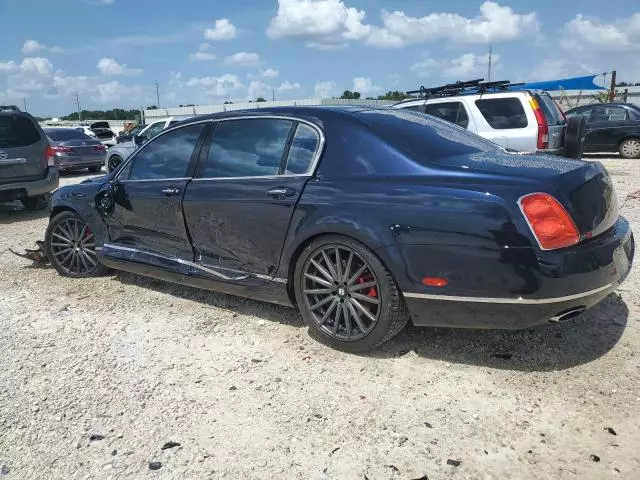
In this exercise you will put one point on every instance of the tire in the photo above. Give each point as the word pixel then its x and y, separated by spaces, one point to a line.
pixel 70 247
pixel 630 148
pixel 113 162
pixel 95 169
pixel 36 203
pixel 574 137
pixel 373 284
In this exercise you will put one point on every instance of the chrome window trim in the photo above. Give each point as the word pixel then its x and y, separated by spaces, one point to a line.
pixel 517 301
pixel 314 162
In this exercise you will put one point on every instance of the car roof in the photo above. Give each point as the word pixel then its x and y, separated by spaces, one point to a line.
pixel 313 114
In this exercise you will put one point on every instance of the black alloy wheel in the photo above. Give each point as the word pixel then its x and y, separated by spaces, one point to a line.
pixel 114 162
pixel 345 293
pixel 70 246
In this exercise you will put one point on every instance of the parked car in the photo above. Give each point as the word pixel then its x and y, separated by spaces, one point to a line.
pixel 360 217
pixel 87 131
pixel 28 171
pixel 519 120
pixel 74 150
pixel 610 127
pixel 121 151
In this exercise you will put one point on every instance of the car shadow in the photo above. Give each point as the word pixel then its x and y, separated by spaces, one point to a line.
pixel 11 212
pixel 545 348
pixel 243 306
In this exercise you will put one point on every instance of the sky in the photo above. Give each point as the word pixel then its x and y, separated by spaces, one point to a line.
pixel 112 52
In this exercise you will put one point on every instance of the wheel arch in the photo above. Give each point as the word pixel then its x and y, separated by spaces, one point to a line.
pixel 296 250
pixel 58 209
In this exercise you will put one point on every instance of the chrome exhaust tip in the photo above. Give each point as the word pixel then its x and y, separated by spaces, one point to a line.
pixel 567 314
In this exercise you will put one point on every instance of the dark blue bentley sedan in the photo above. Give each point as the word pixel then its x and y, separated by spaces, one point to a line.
pixel 362 218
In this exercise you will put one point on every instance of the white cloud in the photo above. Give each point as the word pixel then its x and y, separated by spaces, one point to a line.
pixel 109 66
pixel 202 56
pixel 558 68
pixel 129 41
pixel 7 67
pixel 223 86
pixel 269 73
pixel 325 89
pixel 71 84
pixel 331 24
pixel 494 24
pixel 37 65
pixel 223 30
pixel 365 86
pixel 31 46
pixel 110 92
pixel 318 22
pixel 459 68
pixel 288 86
pixel 243 59
pixel 258 89
pixel 591 34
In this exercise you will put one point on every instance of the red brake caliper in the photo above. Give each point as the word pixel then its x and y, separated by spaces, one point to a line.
pixel 364 278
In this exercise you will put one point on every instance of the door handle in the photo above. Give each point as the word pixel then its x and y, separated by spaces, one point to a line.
pixel 169 192
pixel 281 192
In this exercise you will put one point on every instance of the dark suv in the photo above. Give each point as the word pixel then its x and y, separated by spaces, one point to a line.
pixel 28 170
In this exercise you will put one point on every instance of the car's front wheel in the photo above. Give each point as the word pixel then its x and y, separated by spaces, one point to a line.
pixel 630 148
pixel 114 162
pixel 347 295
pixel 70 247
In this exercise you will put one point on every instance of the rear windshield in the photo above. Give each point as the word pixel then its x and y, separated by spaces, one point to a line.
pixel 64 135
pixel 423 136
pixel 17 131
pixel 503 113
pixel 550 109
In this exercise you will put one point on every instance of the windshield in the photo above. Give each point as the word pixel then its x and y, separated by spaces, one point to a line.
pixel 62 135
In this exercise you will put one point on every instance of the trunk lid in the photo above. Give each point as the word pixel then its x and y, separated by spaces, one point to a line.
pixel 81 147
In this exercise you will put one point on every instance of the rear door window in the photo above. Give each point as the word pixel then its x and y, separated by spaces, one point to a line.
pixel 17 131
pixel 503 113
pixel 610 114
pixel 248 148
pixel 453 112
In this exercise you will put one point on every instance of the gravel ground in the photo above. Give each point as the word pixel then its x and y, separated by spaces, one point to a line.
pixel 97 376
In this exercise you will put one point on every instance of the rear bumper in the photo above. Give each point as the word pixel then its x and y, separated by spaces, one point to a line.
pixel 16 191
pixel 82 164
pixel 515 290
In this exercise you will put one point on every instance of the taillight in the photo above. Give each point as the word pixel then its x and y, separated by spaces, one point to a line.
pixel 549 221
pixel 48 154
pixel 543 128
pixel 62 149
pixel 100 148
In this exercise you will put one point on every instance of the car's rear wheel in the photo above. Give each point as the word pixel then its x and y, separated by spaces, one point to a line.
pixel 114 162
pixel 630 148
pixel 346 295
pixel 95 169
pixel 70 247
pixel 36 203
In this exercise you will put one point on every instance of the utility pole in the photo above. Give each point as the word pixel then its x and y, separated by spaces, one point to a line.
pixel 24 100
pixel 78 104
pixel 273 94
pixel 157 95
pixel 489 69
pixel 612 91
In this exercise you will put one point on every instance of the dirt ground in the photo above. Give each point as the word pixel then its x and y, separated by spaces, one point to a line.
pixel 97 376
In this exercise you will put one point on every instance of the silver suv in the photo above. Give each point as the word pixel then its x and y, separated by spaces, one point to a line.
pixel 518 120
pixel 28 170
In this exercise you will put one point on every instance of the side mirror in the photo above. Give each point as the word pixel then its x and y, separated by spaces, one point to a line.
pixel 139 139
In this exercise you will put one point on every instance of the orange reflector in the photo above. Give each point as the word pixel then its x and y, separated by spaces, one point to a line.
pixel 435 282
